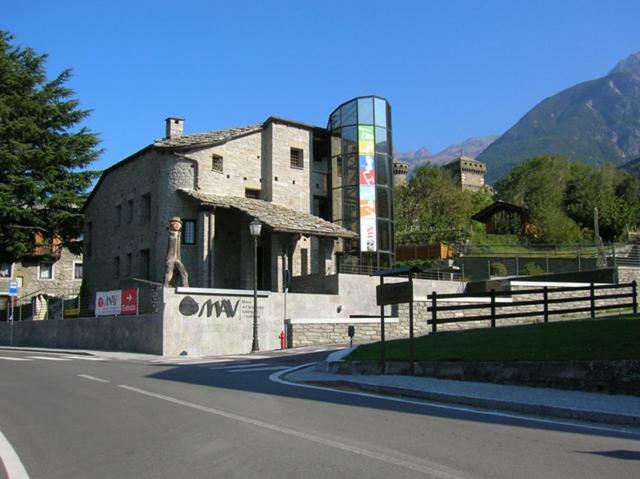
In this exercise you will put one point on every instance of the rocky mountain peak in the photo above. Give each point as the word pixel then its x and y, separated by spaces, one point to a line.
pixel 631 64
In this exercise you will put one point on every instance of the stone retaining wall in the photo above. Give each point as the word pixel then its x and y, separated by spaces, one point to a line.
pixel 621 376
pixel 141 333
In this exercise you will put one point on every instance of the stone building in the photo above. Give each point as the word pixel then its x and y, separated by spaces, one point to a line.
pixel 467 172
pixel 46 276
pixel 281 172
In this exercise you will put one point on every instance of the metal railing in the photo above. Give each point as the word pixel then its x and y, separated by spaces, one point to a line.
pixel 431 273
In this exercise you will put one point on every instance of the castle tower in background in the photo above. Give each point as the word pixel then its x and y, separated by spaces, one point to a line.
pixel 400 173
pixel 467 172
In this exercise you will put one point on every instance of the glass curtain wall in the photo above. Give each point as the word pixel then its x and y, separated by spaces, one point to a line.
pixel 362 179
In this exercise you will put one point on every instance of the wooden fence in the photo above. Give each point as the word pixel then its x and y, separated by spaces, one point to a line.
pixel 494 306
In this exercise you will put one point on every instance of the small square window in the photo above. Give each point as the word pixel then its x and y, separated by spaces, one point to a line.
pixel 297 158
pixel 189 232
pixel 77 271
pixel 46 271
pixel 5 269
pixel 118 215
pixel 254 194
pixel 217 163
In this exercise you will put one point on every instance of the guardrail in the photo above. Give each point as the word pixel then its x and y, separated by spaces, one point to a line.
pixel 493 305
pixel 433 273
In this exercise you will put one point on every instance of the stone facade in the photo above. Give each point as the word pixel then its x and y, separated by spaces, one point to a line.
pixel 467 173
pixel 128 211
pixel 37 290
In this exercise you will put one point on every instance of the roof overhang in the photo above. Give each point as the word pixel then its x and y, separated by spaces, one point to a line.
pixel 276 217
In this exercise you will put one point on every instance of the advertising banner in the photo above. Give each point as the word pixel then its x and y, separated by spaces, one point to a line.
pixel 367 188
pixel 129 302
pixel 117 302
pixel 108 303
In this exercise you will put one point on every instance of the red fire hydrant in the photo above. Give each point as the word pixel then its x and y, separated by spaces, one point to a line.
pixel 283 340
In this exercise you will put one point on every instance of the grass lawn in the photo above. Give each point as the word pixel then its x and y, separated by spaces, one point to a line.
pixel 617 338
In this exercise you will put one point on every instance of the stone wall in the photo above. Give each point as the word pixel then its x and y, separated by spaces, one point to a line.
pixel 627 274
pixel 131 333
pixel 367 329
pixel 212 322
pixel 110 235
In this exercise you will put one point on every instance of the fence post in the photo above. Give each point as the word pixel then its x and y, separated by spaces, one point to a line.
pixel 412 342
pixel 383 359
pixel 517 267
pixel 493 308
pixel 592 292
pixel 634 289
pixel 546 262
pixel 545 298
pixel 434 312
pixel 489 269
pixel 580 257
pixel 613 253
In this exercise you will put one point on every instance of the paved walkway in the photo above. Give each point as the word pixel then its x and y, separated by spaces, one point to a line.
pixel 589 406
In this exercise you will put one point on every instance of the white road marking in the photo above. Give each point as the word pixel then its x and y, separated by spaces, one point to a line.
pixel 250 370
pixel 277 377
pixel 237 366
pixel 12 463
pixel 93 378
pixel 85 358
pixel 48 358
pixel 9 358
pixel 397 459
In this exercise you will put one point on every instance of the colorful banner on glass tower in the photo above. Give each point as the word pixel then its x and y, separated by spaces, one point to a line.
pixel 367 186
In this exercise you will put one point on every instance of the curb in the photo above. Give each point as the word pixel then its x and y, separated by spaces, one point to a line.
pixel 534 409
pixel 46 350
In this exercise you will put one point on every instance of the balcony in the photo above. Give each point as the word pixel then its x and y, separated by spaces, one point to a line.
pixel 46 250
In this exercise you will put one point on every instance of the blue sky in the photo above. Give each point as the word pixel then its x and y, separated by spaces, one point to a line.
pixel 451 69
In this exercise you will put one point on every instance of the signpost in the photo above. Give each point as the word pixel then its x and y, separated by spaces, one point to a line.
pixel 13 292
pixel 396 293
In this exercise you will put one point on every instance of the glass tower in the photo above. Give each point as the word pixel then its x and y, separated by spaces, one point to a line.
pixel 362 179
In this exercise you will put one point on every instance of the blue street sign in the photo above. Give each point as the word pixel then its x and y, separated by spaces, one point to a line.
pixel 13 288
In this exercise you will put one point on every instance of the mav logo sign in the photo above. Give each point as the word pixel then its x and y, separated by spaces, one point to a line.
pixel 189 307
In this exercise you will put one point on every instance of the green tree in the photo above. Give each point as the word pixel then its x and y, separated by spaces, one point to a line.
pixel 615 193
pixel 42 151
pixel 539 185
pixel 431 207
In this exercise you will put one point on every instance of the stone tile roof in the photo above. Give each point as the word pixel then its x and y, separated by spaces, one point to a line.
pixel 279 218
pixel 206 138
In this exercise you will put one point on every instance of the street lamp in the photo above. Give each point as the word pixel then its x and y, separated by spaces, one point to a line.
pixel 254 227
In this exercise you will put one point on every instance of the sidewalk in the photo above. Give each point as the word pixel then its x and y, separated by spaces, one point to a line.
pixel 576 405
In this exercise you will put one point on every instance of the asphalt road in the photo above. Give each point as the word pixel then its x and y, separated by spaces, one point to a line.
pixel 74 417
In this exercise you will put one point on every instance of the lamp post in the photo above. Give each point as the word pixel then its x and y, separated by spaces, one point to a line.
pixel 254 227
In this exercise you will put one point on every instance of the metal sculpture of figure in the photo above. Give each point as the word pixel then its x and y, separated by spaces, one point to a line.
pixel 173 261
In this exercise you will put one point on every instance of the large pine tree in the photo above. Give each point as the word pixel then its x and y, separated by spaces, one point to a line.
pixel 44 152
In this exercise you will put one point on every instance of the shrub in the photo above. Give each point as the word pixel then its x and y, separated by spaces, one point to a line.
pixel 498 269
pixel 532 269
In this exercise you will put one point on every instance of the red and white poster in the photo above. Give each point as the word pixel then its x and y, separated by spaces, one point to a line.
pixel 117 302
pixel 129 301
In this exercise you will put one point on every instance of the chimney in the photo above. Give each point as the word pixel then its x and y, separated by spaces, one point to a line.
pixel 174 127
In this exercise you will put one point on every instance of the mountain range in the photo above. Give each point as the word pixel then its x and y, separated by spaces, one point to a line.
pixel 596 121
pixel 470 147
